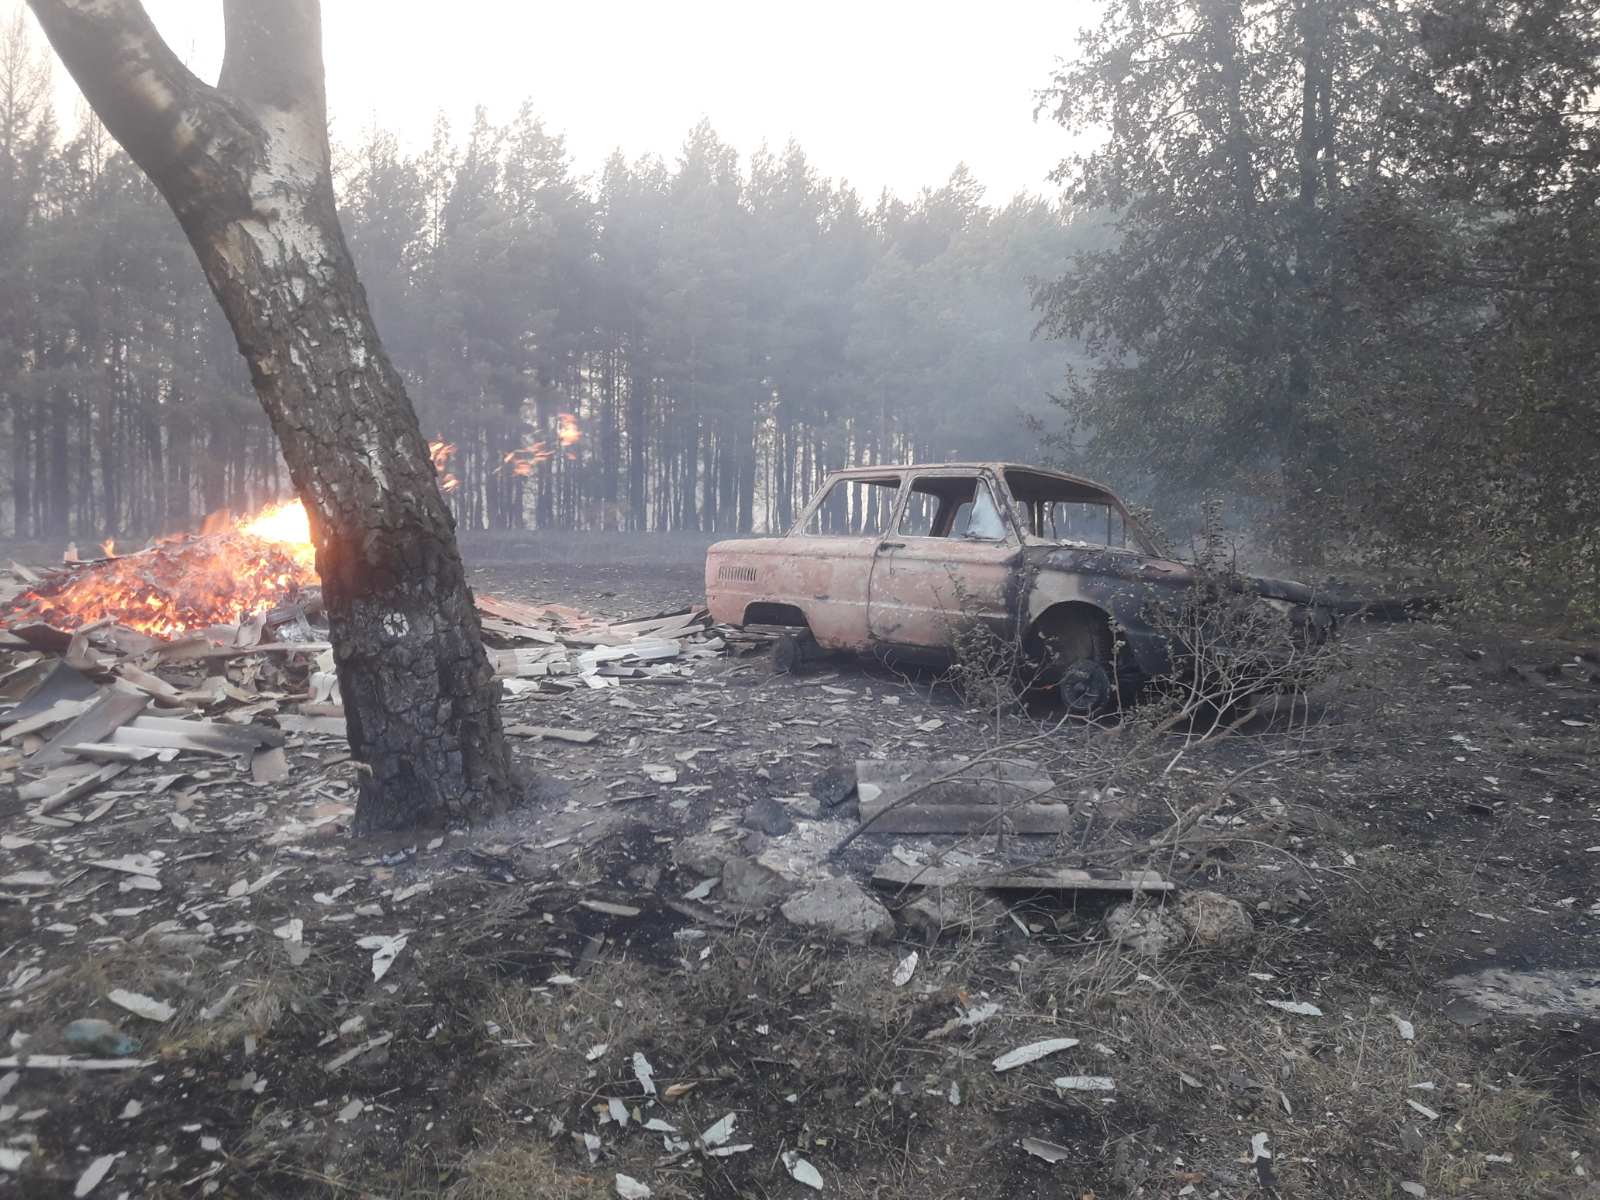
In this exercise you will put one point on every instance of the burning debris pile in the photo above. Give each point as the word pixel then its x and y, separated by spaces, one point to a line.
pixel 179 584
pixel 206 645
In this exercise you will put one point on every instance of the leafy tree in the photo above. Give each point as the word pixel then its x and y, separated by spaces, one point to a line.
pixel 1353 246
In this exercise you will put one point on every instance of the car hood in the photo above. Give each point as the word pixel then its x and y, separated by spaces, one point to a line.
pixel 1166 571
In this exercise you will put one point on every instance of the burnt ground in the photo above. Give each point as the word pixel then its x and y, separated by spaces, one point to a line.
pixel 1428 813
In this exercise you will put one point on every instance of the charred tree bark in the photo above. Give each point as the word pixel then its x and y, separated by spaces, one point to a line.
pixel 245 167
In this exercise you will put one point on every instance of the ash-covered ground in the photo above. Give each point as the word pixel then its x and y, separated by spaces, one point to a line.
pixel 1379 973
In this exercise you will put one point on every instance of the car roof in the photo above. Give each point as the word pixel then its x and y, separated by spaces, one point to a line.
pixel 897 468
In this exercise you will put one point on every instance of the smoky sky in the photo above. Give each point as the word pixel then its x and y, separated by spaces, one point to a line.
pixel 884 95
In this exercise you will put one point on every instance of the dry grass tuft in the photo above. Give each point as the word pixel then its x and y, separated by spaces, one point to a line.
pixel 520 1168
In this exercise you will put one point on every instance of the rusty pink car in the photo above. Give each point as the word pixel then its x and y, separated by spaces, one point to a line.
pixel 896 559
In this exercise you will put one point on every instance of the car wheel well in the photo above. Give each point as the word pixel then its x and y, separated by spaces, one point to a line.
pixel 1073 614
pixel 767 612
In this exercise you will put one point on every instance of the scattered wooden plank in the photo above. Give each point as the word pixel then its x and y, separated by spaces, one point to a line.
pixel 322 726
pixel 83 787
pixel 256 735
pixel 60 711
pixel 884 786
pixel 65 1062
pixel 510 629
pixel 37 687
pixel 578 737
pixel 42 637
pixel 105 752
pixel 528 614
pixel 269 765
pixel 54 781
pixel 610 909
pixel 151 685
pixel 199 647
pixel 896 874
pixel 202 737
pixel 113 709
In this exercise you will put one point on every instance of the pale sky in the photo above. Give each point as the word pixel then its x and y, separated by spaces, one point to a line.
pixel 884 94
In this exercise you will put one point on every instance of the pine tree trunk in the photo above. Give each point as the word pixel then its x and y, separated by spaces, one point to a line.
pixel 245 166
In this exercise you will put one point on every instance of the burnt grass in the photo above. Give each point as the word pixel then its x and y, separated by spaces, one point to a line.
pixel 1428 812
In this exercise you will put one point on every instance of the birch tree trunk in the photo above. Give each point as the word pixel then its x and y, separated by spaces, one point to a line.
pixel 245 167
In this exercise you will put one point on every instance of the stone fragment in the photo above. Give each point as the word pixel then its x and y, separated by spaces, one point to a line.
pixel 1148 932
pixel 767 816
pixel 1215 920
pixel 745 881
pixel 702 855
pixel 839 908
pixel 953 912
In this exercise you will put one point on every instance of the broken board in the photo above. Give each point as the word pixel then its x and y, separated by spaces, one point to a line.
pixel 896 874
pixel 950 796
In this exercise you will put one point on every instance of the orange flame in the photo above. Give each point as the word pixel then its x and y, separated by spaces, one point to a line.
pixel 567 429
pixel 442 452
pixel 523 461
pixel 187 581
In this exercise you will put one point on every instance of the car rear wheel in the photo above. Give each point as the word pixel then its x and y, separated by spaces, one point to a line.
pixel 794 651
pixel 1079 649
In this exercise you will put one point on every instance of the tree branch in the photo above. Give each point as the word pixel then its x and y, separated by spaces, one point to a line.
pixel 273 57
pixel 178 128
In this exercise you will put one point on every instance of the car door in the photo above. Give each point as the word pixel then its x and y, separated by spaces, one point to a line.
pixel 946 564
pixel 828 560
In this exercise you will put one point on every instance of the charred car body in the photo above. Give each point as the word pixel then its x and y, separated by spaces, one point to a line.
pixel 896 559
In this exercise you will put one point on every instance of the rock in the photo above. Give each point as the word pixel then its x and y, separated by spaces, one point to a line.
pixel 1206 919
pixel 833 787
pixel 839 908
pixel 1214 920
pixel 1310 820
pixel 98 1037
pixel 702 855
pixel 745 881
pixel 1147 931
pixel 768 816
pixel 805 807
pixel 953 912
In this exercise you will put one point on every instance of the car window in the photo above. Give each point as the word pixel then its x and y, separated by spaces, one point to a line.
pixel 983 518
pixel 854 508
pixel 922 511
pixel 951 506
pixel 1080 521
pixel 1070 510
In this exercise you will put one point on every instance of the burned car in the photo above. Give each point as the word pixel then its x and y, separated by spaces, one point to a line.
pixel 897 560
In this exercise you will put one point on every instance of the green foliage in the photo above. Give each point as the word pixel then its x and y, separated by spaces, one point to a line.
pixel 1355 263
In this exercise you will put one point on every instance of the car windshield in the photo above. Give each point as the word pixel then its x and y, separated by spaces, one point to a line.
pixel 1063 510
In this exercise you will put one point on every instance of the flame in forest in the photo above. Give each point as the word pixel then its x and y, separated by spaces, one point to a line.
pixel 567 430
pixel 442 452
pixel 524 460
pixel 109 547
pixel 187 581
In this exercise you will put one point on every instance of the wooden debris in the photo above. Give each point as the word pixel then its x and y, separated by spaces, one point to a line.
pixel 578 737
pixel 269 765
pixel 610 909
pixel 65 1062
pixel 60 711
pixel 202 737
pixel 112 710
pixel 80 789
pixel 322 726
pixel 893 873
